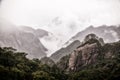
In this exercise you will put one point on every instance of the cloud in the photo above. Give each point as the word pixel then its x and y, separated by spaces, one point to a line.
pixel 75 15
pixel 41 12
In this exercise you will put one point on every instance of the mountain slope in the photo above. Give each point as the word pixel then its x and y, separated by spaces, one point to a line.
pixel 37 32
pixel 64 51
pixel 22 40
pixel 90 53
pixel 108 33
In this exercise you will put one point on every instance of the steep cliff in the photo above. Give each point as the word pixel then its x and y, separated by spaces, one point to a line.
pixel 87 53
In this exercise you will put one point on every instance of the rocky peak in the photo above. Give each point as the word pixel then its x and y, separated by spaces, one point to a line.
pixel 87 53
pixel 91 38
pixel 108 33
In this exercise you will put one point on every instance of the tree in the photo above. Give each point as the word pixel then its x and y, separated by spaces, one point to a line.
pixel 41 75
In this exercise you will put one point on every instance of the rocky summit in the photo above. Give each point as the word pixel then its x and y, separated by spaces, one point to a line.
pixel 87 53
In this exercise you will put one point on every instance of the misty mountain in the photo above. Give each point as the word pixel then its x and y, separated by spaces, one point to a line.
pixel 108 33
pixel 23 39
pixel 90 54
pixel 37 32
pixel 45 37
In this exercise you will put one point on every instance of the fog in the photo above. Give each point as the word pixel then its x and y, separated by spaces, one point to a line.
pixel 81 13
pixel 64 18
pixel 38 13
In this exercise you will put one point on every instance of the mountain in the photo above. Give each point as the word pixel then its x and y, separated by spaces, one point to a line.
pixel 23 39
pixel 46 38
pixel 37 32
pixel 108 33
pixel 90 53
pixel 64 51
pixel 91 60
pixel 87 53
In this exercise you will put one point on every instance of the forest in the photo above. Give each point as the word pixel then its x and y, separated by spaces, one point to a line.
pixel 16 66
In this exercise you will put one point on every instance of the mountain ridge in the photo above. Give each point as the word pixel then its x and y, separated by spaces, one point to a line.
pixel 22 39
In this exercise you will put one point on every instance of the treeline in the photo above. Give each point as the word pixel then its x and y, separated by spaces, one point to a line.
pixel 15 66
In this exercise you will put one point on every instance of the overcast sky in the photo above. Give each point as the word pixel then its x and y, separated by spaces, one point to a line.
pixel 41 12
pixel 73 15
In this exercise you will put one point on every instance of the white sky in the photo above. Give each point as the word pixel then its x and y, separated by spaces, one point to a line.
pixel 81 13
pixel 41 12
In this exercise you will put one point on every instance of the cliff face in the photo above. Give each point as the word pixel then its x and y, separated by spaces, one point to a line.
pixel 87 53
pixel 84 56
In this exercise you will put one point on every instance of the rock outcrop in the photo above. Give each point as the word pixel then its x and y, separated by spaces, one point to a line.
pixel 83 56
pixel 87 53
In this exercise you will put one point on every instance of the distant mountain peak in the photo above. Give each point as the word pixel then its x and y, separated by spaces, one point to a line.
pixel 108 33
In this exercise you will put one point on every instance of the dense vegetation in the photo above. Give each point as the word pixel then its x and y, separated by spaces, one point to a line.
pixel 107 68
pixel 15 66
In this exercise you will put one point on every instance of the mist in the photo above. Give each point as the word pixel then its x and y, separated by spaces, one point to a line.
pixel 63 18
pixel 39 13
